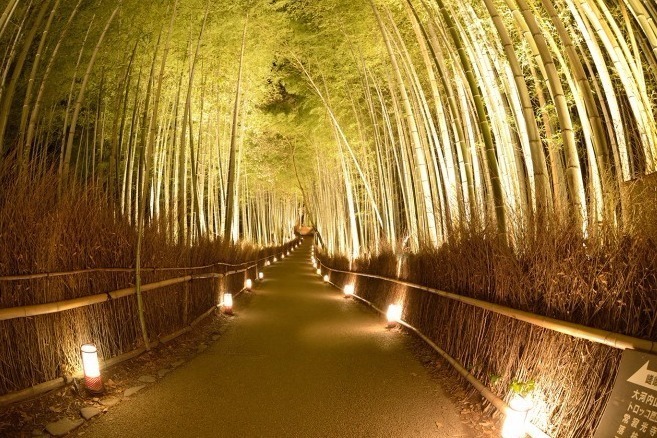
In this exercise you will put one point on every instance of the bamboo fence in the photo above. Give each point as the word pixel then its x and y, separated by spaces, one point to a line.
pixel 63 305
pixel 599 336
pixel 615 340
pixel 494 400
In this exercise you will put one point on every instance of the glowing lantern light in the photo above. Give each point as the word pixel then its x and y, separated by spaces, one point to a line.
pixel 228 304
pixel 282 256
pixel 393 314
pixel 248 284
pixel 275 259
pixel 514 424
pixel 92 380
pixel 319 271
pixel 267 263
pixel 348 290
pixel 261 275
pixel 326 278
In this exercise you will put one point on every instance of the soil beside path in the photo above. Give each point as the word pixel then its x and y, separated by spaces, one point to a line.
pixel 298 360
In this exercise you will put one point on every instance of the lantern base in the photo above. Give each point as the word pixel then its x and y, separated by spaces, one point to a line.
pixel 94 385
pixel 391 325
pixel 228 311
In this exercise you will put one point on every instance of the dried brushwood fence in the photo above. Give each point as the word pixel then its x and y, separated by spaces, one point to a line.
pixel 506 322
pixel 40 340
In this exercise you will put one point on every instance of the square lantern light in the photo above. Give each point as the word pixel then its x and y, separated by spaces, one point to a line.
pixel 393 314
pixel 248 284
pixel 261 275
pixel 348 290
pixel 516 417
pixel 319 271
pixel 267 263
pixel 228 304
pixel 92 379
pixel 326 278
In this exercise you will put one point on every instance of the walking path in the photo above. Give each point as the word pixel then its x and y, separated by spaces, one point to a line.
pixel 298 360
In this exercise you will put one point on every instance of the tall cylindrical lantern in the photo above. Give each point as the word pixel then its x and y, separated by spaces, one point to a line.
pixel 92 380
pixel 228 303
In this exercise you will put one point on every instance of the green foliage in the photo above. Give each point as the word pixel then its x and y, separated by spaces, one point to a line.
pixel 523 388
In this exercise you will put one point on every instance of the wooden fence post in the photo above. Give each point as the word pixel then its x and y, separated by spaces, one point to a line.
pixel 185 302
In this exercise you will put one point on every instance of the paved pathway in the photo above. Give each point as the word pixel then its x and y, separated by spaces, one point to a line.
pixel 298 361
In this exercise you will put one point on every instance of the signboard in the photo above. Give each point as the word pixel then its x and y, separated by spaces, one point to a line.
pixel 632 408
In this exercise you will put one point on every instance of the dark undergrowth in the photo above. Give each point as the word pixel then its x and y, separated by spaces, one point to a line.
pixel 41 232
pixel 608 281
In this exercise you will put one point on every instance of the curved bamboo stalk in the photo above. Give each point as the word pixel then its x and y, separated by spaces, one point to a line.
pixel 229 231
pixel 541 177
pixel 414 134
pixel 529 27
pixel 482 118
pixel 23 148
pixel 8 93
pixel 79 100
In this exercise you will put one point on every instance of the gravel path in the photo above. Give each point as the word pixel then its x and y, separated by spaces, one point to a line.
pixel 298 360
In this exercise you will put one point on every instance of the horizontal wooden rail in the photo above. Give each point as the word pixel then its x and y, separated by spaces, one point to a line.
pixel 599 336
pixel 111 270
pixel 59 382
pixel 60 306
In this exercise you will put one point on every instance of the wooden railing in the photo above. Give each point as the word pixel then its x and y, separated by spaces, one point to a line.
pixel 592 334
pixel 615 340
pixel 63 305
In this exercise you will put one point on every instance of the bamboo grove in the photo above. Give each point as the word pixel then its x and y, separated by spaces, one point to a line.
pixel 404 126
pixel 125 96
pixel 499 114
pixel 438 116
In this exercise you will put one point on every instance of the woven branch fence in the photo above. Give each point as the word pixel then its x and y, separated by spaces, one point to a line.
pixel 39 343
pixel 572 366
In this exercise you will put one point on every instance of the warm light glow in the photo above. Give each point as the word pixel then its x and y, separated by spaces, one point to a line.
pixel 91 368
pixel 248 284
pixel 275 259
pixel 90 360
pixel 349 289
pixel 228 301
pixel 394 313
pixel 267 263
pixel 514 424
pixel 319 271
pixel 326 278
pixel 261 275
